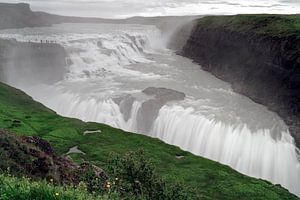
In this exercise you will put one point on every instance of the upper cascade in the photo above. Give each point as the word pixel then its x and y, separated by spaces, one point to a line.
pixel 97 54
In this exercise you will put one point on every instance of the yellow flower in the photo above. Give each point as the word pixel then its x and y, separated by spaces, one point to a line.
pixel 56 194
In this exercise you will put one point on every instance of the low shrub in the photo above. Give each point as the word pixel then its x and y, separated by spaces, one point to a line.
pixel 134 176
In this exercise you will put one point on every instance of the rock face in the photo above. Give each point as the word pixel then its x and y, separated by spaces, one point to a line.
pixel 264 67
pixel 152 101
pixel 150 108
pixel 31 63
pixel 35 158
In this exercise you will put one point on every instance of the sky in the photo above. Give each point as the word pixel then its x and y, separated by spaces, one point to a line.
pixel 128 8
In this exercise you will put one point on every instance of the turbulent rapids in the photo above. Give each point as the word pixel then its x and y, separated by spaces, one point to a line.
pixel 124 76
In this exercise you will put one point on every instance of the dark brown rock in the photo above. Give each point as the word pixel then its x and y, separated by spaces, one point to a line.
pixel 35 158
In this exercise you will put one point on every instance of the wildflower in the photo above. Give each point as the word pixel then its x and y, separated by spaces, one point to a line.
pixel 51 180
pixel 107 185
pixel 117 179
pixel 56 194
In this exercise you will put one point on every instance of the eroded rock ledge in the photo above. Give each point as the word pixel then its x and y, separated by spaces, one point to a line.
pixel 154 100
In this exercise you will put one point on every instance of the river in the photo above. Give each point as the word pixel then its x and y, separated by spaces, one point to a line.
pixel 109 66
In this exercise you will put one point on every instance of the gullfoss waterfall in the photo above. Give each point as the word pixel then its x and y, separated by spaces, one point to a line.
pixel 124 76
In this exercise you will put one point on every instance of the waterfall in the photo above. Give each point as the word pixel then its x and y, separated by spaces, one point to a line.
pixel 110 65
pixel 253 153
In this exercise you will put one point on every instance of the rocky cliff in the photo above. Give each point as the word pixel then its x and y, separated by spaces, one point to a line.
pixel 258 54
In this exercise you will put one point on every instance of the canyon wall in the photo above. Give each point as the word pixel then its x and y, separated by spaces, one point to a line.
pixel 259 55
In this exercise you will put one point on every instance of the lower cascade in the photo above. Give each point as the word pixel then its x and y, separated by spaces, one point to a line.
pixel 257 153
pixel 253 153
pixel 123 76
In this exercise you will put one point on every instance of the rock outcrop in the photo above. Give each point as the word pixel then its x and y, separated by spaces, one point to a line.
pixel 259 60
pixel 150 108
pixel 35 158
pixel 152 101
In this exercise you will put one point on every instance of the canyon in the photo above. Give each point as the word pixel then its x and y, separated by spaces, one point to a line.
pixel 239 107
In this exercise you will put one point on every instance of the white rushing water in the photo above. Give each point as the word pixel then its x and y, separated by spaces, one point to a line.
pixel 109 66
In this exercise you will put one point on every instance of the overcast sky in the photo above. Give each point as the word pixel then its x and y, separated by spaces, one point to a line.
pixel 127 8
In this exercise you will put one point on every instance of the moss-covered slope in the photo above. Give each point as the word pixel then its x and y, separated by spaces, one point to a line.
pixel 273 25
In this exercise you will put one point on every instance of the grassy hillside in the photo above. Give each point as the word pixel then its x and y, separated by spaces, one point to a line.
pixel 12 188
pixel 20 114
pixel 274 25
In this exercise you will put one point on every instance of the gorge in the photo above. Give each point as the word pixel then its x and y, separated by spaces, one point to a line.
pixel 125 75
pixel 259 58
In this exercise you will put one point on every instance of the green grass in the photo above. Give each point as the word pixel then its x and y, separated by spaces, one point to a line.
pixel 273 25
pixel 20 114
pixel 12 188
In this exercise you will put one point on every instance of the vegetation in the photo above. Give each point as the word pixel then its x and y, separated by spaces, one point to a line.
pixel 21 115
pixel 134 177
pixel 273 25
pixel 12 188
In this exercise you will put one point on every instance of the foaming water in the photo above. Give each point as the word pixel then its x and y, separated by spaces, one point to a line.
pixel 254 153
pixel 101 53
pixel 108 69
